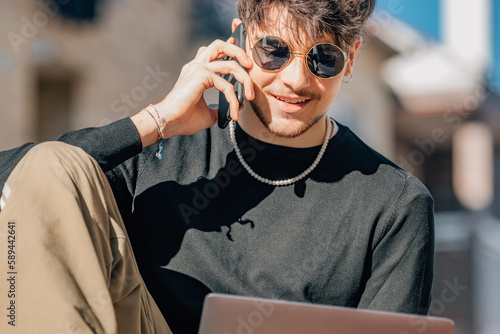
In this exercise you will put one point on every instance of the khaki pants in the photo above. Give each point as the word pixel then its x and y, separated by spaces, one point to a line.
pixel 66 264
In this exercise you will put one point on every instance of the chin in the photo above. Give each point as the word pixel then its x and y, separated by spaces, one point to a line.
pixel 288 128
pixel 285 125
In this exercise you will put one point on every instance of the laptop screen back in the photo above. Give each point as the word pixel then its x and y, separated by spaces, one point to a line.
pixel 226 314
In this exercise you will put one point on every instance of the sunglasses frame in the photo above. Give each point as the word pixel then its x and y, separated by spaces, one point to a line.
pixel 305 55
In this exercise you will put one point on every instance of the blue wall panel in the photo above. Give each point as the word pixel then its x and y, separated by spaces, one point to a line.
pixel 495 78
pixel 424 15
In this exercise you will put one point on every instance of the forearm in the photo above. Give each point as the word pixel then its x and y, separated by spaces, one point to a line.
pixel 109 145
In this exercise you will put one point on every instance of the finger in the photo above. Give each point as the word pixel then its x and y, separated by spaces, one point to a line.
pixel 231 67
pixel 235 113
pixel 200 50
pixel 222 85
pixel 219 49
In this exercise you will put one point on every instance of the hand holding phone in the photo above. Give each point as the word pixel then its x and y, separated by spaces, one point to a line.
pixel 224 116
pixel 185 109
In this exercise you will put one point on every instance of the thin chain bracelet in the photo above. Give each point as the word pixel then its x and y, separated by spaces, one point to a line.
pixel 160 124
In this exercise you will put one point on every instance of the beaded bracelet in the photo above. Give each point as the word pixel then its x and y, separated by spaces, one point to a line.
pixel 160 124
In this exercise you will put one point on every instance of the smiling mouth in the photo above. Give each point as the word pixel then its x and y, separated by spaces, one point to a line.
pixel 291 100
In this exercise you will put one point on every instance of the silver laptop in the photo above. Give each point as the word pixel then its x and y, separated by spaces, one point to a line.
pixel 227 314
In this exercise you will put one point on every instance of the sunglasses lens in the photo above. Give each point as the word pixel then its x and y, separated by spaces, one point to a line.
pixel 325 60
pixel 271 53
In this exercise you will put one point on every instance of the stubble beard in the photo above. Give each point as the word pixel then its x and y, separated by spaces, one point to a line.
pixel 301 129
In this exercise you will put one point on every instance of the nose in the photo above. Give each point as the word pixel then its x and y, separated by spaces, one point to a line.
pixel 296 75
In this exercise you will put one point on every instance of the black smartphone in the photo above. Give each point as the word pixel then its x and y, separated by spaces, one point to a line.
pixel 224 116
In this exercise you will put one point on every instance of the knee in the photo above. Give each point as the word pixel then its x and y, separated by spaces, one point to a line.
pixel 55 154
pixel 48 165
pixel 52 148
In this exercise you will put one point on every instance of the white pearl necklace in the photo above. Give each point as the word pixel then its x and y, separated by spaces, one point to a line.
pixel 280 182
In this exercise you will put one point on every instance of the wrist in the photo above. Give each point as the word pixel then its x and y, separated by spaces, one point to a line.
pixel 146 127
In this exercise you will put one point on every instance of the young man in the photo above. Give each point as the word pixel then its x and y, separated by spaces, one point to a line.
pixel 285 203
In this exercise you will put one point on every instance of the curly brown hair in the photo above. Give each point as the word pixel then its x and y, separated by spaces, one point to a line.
pixel 343 19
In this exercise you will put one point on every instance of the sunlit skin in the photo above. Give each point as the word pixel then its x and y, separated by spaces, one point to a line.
pixel 273 120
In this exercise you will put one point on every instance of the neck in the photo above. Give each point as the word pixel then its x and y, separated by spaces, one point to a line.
pixel 252 125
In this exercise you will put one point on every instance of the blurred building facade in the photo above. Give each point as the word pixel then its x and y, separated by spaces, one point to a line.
pixel 84 63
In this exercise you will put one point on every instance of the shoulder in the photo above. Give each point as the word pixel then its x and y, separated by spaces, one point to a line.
pixel 360 154
pixel 370 170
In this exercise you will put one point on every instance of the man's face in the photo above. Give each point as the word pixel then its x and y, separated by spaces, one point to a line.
pixel 290 101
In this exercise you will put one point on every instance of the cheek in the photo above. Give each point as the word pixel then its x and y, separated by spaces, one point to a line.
pixel 260 78
pixel 330 89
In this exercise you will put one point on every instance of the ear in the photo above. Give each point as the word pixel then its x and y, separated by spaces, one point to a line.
pixel 236 22
pixel 353 50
